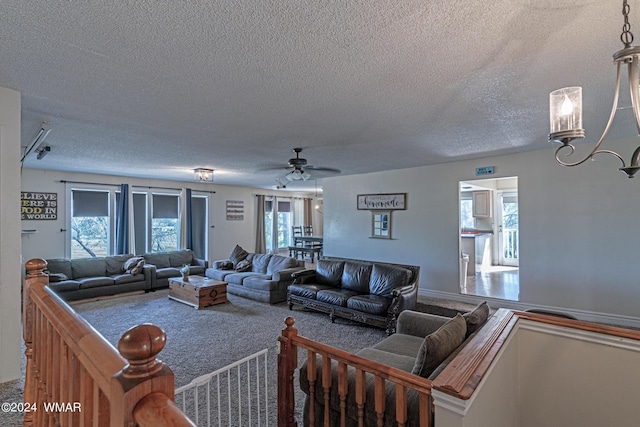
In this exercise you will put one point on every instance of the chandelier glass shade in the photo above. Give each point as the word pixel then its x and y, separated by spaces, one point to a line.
pixel 565 106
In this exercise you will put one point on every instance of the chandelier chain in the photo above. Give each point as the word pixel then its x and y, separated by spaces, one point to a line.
pixel 627 36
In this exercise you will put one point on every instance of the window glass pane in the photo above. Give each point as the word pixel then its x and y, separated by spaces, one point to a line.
pixel 466 214
pixel 89 223
pixel 165 230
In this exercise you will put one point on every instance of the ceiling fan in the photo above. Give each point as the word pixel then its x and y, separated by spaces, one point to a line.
pixel 300 167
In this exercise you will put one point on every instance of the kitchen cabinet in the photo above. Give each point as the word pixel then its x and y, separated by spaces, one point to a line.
pixel 482 204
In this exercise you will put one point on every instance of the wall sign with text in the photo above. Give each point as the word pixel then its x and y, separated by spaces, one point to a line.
pixel 382 201
pixel 38 206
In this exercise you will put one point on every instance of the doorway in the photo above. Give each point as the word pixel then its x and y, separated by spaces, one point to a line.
pixel 489 238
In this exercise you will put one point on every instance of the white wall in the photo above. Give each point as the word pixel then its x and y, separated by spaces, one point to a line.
pixel 49 241
pixel 577 228
pixel 10 276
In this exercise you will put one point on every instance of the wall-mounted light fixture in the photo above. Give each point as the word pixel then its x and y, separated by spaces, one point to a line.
pixel 203 175
pixel 565 106
pixel 37 141
pixel 43 151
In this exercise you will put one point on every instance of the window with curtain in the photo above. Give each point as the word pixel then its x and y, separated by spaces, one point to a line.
pixel 281 227
pixel 140 215
pixel 165 222
pixel 91 224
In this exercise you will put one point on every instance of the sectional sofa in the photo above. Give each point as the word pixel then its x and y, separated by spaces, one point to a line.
pixel 75 279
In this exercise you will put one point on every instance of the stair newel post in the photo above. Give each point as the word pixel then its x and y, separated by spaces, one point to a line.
pixel 287 364
pixel 35 277
pixel 143 375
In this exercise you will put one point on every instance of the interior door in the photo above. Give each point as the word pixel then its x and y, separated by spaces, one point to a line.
pixel 508 238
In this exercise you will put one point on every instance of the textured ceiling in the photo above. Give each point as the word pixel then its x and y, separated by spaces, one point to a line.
pixel 154 89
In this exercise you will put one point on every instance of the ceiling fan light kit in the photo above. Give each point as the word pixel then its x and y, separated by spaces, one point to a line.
pixel 565 106
pixel 299 164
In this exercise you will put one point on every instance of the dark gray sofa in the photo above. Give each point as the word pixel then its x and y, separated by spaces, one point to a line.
pixel 409 350
pixel 95 277
pixel 168 264
pixel 365 291
pixel 267 279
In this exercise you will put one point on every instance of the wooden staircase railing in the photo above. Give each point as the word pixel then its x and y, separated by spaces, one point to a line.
pixel 290 341
pixel 74 377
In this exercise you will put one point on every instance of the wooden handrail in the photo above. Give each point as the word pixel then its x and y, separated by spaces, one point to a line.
pixel 290 341
pixel 72 368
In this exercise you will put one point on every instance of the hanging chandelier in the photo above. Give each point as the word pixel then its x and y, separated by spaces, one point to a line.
pixel 565 106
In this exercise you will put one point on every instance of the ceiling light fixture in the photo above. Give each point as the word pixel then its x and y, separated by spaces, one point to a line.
pixel 37 140
pixel 297 175
pixel 203 175
pixel 565 105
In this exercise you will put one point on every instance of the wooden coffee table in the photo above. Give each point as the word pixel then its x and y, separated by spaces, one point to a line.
pixel 198 291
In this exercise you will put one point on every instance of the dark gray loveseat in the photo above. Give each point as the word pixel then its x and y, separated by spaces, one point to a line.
pixel 371 292
pixel 168 264
pixel 74 279
pixel 423 345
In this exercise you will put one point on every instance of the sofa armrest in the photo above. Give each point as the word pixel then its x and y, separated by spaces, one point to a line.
pixel 302 276
pixel 200 262
pixel 419 324
pixel 285 274
pixel 149 271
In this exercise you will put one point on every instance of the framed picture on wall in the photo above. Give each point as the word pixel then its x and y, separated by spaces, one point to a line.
pixel 235 210
pixel 381 224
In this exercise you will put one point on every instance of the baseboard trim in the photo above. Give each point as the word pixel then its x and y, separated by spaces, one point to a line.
pixel 589 316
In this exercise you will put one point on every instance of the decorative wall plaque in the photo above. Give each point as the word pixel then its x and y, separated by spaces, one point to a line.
pixel 235 210
pixel 382 201
pixel 38 206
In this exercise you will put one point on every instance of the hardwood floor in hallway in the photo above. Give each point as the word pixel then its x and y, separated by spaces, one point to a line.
pixel 500 282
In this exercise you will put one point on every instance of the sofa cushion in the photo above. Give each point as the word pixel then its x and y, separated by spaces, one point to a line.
pixel 243 265
pixel 355 276
pixel 279 262
pixel 180 258
pixel 115 263
pixel 399 361
pixel 260 283
pixel 384 278
pixel 307 291
pixel 237 255
pixel 372 304
pixel 95 282
pixel 119 279
pixel 88 267
pixel 329 272
pixel 163 273
pixel 407 345
pixel 438 345
pixel 238 278
pixel 337 297
pixel 133 265
pixel 260 262
pixel 59 265
pixel 65 286
pixel 160 259
pixel 216 274
pixel 476 317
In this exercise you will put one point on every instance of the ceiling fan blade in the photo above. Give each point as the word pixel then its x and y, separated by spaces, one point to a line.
pixel 322 169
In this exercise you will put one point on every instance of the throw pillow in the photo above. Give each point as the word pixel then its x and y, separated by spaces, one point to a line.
pixel 134 265
pixel 237 255
pixel 57 277
pixel 243 265
pixel 437 346
pixel 225 265
pixel 476 317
